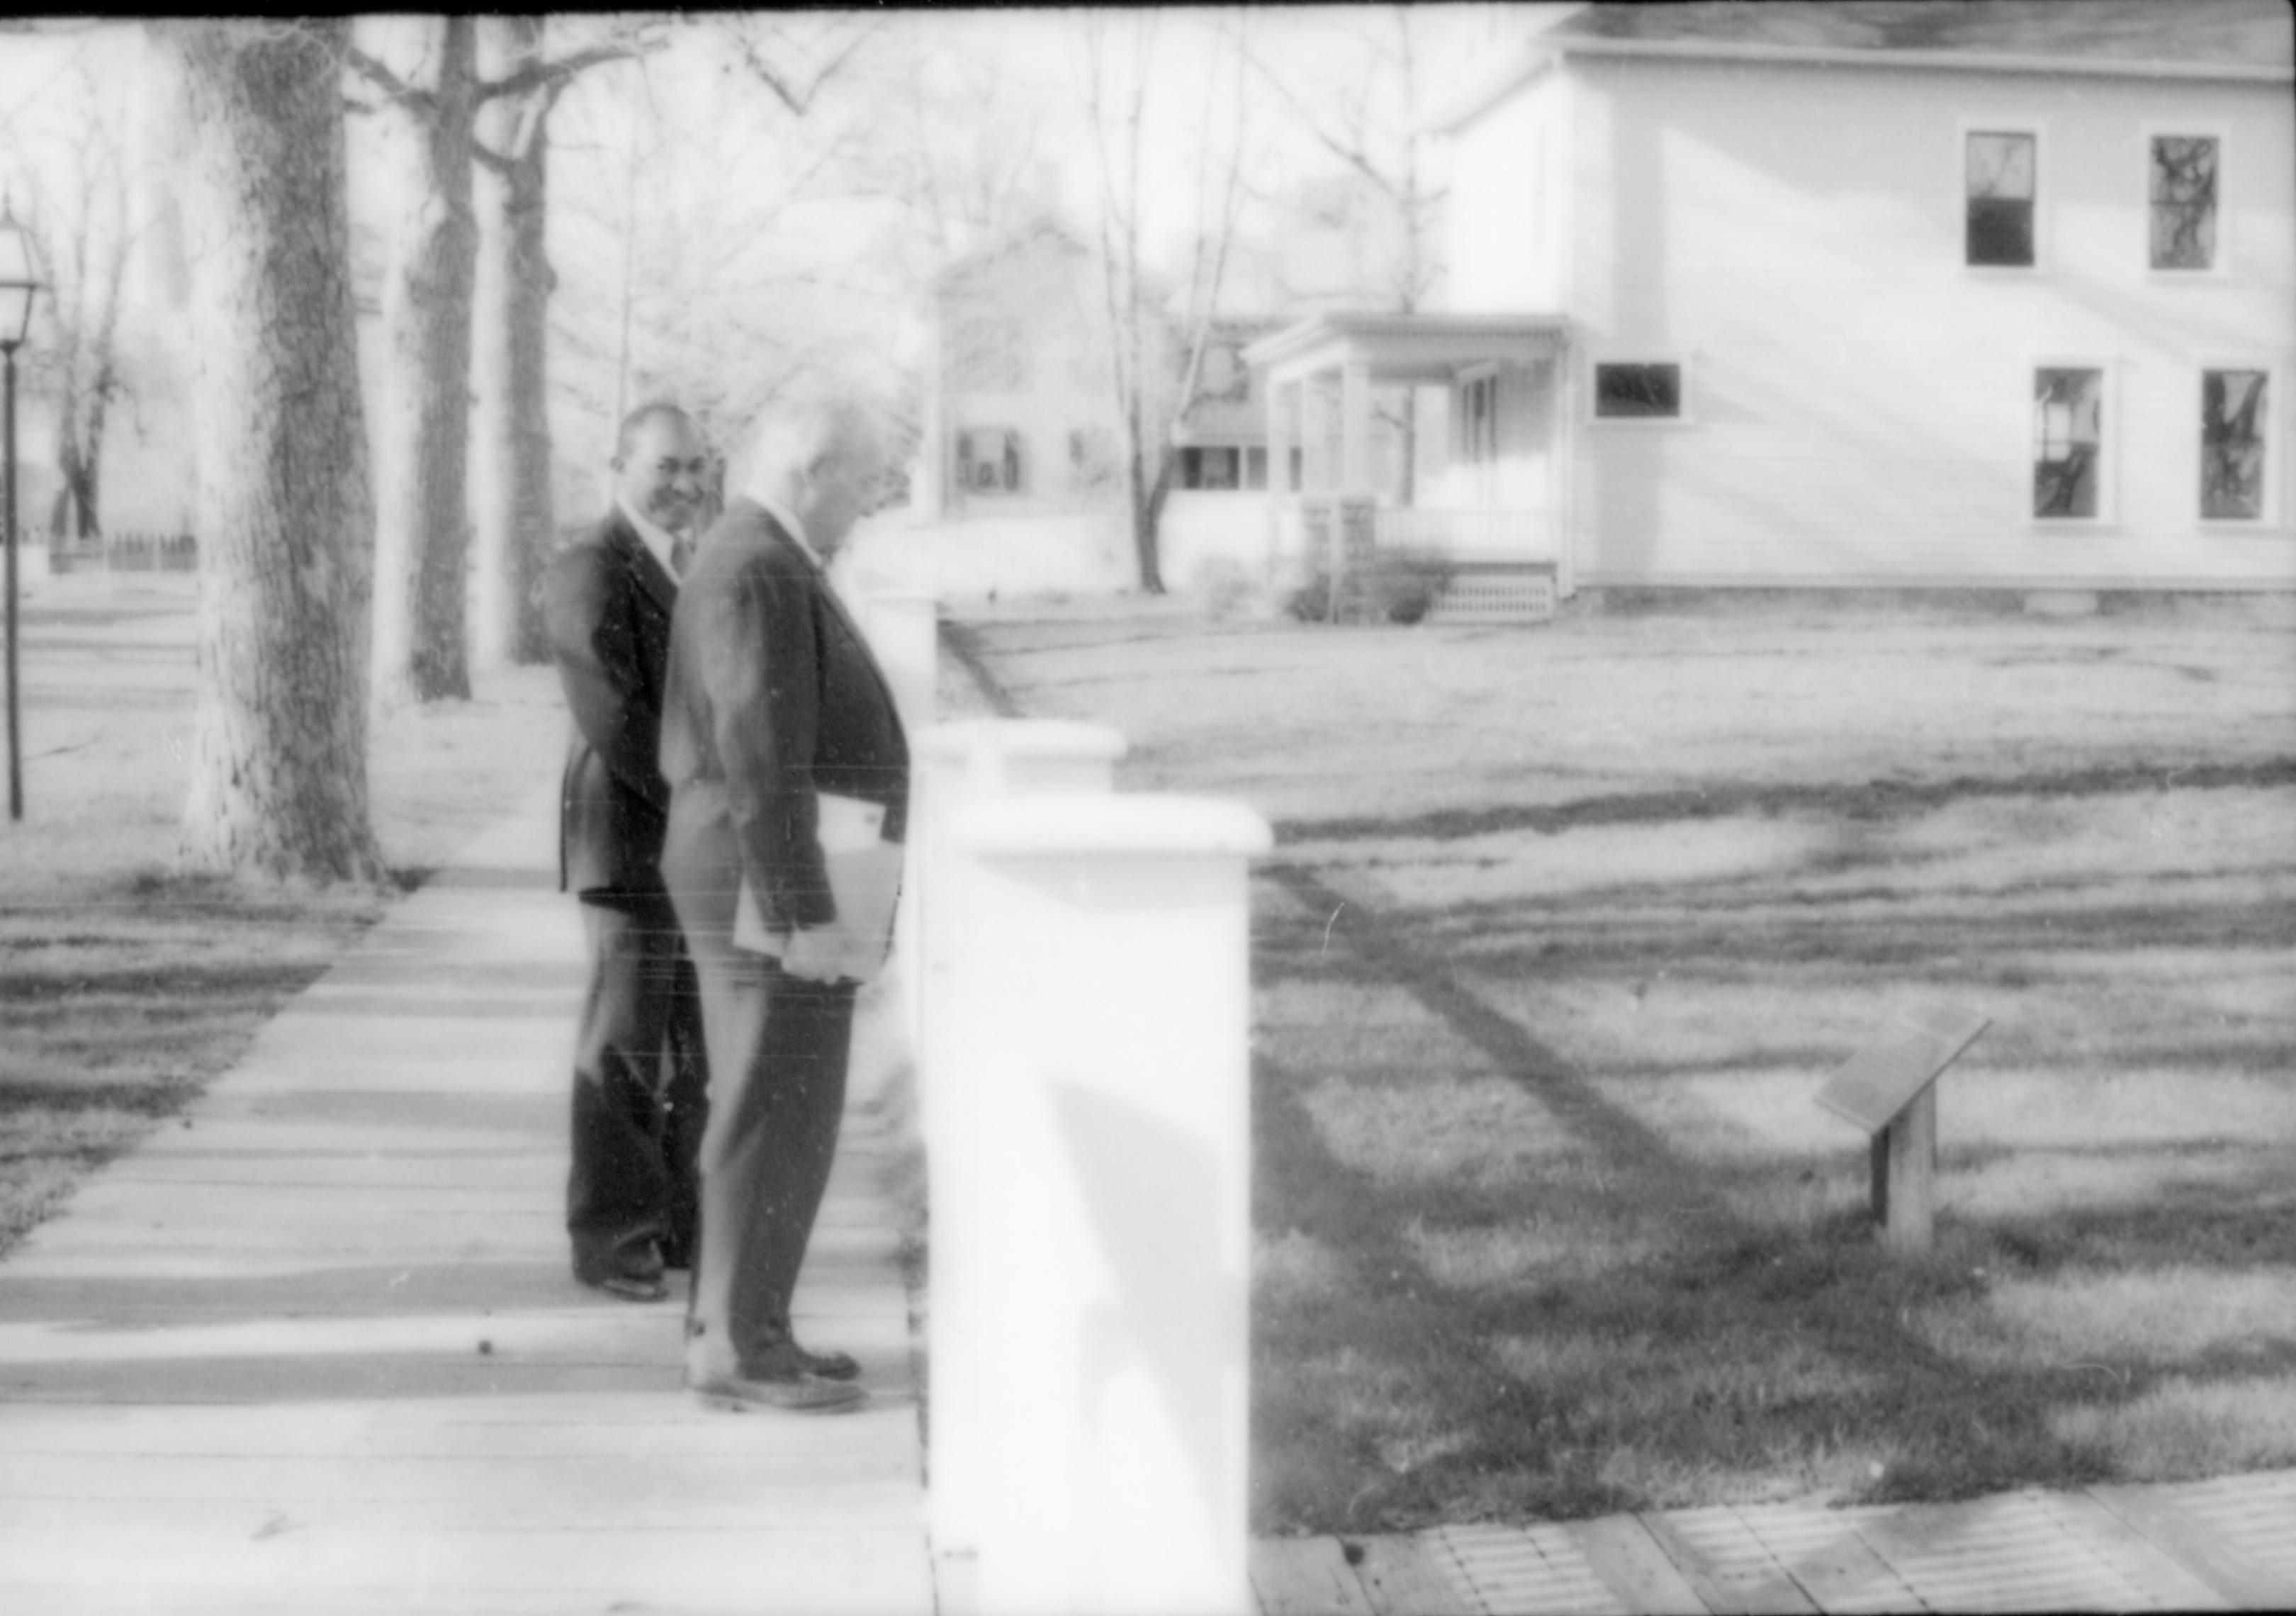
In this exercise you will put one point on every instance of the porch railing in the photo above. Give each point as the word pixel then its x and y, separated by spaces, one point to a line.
pixel 1468 534
pixel 1504 562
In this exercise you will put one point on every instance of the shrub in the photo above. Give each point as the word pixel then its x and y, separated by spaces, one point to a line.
pixel 1402 585
pixel 1311 602
pixel 1397 585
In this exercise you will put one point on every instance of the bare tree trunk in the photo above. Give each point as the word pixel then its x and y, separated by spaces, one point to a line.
pixel 279 744
pixel 103 378
pixel 1145 499
pixel 69 513
pixel 88 258
pixel 1130 323
pixel 423 535
pixel 516 524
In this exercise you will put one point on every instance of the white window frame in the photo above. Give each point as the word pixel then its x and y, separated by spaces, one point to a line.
pixel 1680 359
pixel 2004 124
pixel 2220 267
pixel 2108 448
pixel 2268 518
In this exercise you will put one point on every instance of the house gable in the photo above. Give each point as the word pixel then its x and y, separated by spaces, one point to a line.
pixel 1861 401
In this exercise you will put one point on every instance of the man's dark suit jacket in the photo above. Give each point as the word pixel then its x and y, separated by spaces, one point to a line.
pixel 607 603
pixel 771 697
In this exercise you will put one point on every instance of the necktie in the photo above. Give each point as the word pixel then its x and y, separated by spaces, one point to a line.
pixel 681 553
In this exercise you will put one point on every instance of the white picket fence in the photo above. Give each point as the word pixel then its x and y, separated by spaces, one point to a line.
pixel 1077 967
pixel 128 553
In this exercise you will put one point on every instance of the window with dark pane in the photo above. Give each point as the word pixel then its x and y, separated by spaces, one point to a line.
pixel 1627 392
pixel 1482 420
pixel 2000 223
pixel 2183 201
pixel 2232 445
pixel 1201 468
pixel 988 460
pixel 2068 436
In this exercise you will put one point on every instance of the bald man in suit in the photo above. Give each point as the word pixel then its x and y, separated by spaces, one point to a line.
pixel 638 1065
pixel 774 701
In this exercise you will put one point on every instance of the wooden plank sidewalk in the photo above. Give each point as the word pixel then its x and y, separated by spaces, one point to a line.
pixel 315 1348
pixel 2222 1544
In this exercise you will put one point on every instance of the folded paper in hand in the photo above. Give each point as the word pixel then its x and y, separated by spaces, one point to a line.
pixel 864 881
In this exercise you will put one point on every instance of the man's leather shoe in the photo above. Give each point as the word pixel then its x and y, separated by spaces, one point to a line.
pixel 828 1366
pixel 634 1274
pixel 630 1287
pixel 785 1358
pixel 793 1394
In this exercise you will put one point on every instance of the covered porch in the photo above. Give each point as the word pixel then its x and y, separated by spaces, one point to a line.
pixel 1347 477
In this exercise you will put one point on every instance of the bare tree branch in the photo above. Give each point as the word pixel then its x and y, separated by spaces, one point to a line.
pixel 393 88
pixel 553 76
pixel 794 92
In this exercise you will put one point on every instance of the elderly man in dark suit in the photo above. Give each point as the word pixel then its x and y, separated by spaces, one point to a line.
pixel 774 705
pixel 638 1073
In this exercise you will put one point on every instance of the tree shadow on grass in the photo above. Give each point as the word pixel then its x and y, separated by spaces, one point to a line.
pixel 1858 800
pixel 1606 1332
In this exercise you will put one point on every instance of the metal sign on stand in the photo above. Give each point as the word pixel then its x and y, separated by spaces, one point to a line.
pixel 1888 1088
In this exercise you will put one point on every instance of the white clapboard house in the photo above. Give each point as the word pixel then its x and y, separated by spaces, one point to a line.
pixel 1994 295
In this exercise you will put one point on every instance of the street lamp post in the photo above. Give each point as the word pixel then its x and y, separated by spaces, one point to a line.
pixel 17 287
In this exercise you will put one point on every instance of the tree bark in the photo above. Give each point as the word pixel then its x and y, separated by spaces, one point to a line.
pixel 423 542
pixel 285 516
pixel 516 522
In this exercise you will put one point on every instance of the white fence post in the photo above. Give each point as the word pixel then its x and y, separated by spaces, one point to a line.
pixel 968 761
pixel 903 634
pixel 1102 995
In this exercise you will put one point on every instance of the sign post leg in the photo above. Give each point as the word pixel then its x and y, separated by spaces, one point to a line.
pixel 1905 1175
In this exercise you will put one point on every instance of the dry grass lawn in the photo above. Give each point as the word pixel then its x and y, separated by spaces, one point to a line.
pixel 1565 926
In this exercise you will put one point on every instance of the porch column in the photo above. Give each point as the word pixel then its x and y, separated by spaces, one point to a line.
pixel 1314 436
pixel 1279 441
pixel 1354 426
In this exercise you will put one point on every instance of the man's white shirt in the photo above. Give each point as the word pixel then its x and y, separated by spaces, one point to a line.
pixel 659 542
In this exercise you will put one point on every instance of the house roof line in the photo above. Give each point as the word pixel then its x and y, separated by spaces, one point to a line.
pixel 1541 54
pixel 1305 333
pixel 1980 61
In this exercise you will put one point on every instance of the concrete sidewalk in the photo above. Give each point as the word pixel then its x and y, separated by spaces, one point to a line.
pixel 315 1348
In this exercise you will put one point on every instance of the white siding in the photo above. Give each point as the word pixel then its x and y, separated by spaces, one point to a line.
pixel 1508 171
pixel 1205 526
pixel 1860 401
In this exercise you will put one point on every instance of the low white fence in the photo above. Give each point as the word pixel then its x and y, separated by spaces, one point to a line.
pixel 128 553
pixel 1079 975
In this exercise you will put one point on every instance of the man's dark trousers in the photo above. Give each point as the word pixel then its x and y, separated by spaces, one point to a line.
pixel 639 1092
pixel 639 1096
pixel 778 1048
pixel 772 698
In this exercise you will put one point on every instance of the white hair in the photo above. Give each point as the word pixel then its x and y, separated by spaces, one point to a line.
pixel 797 432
